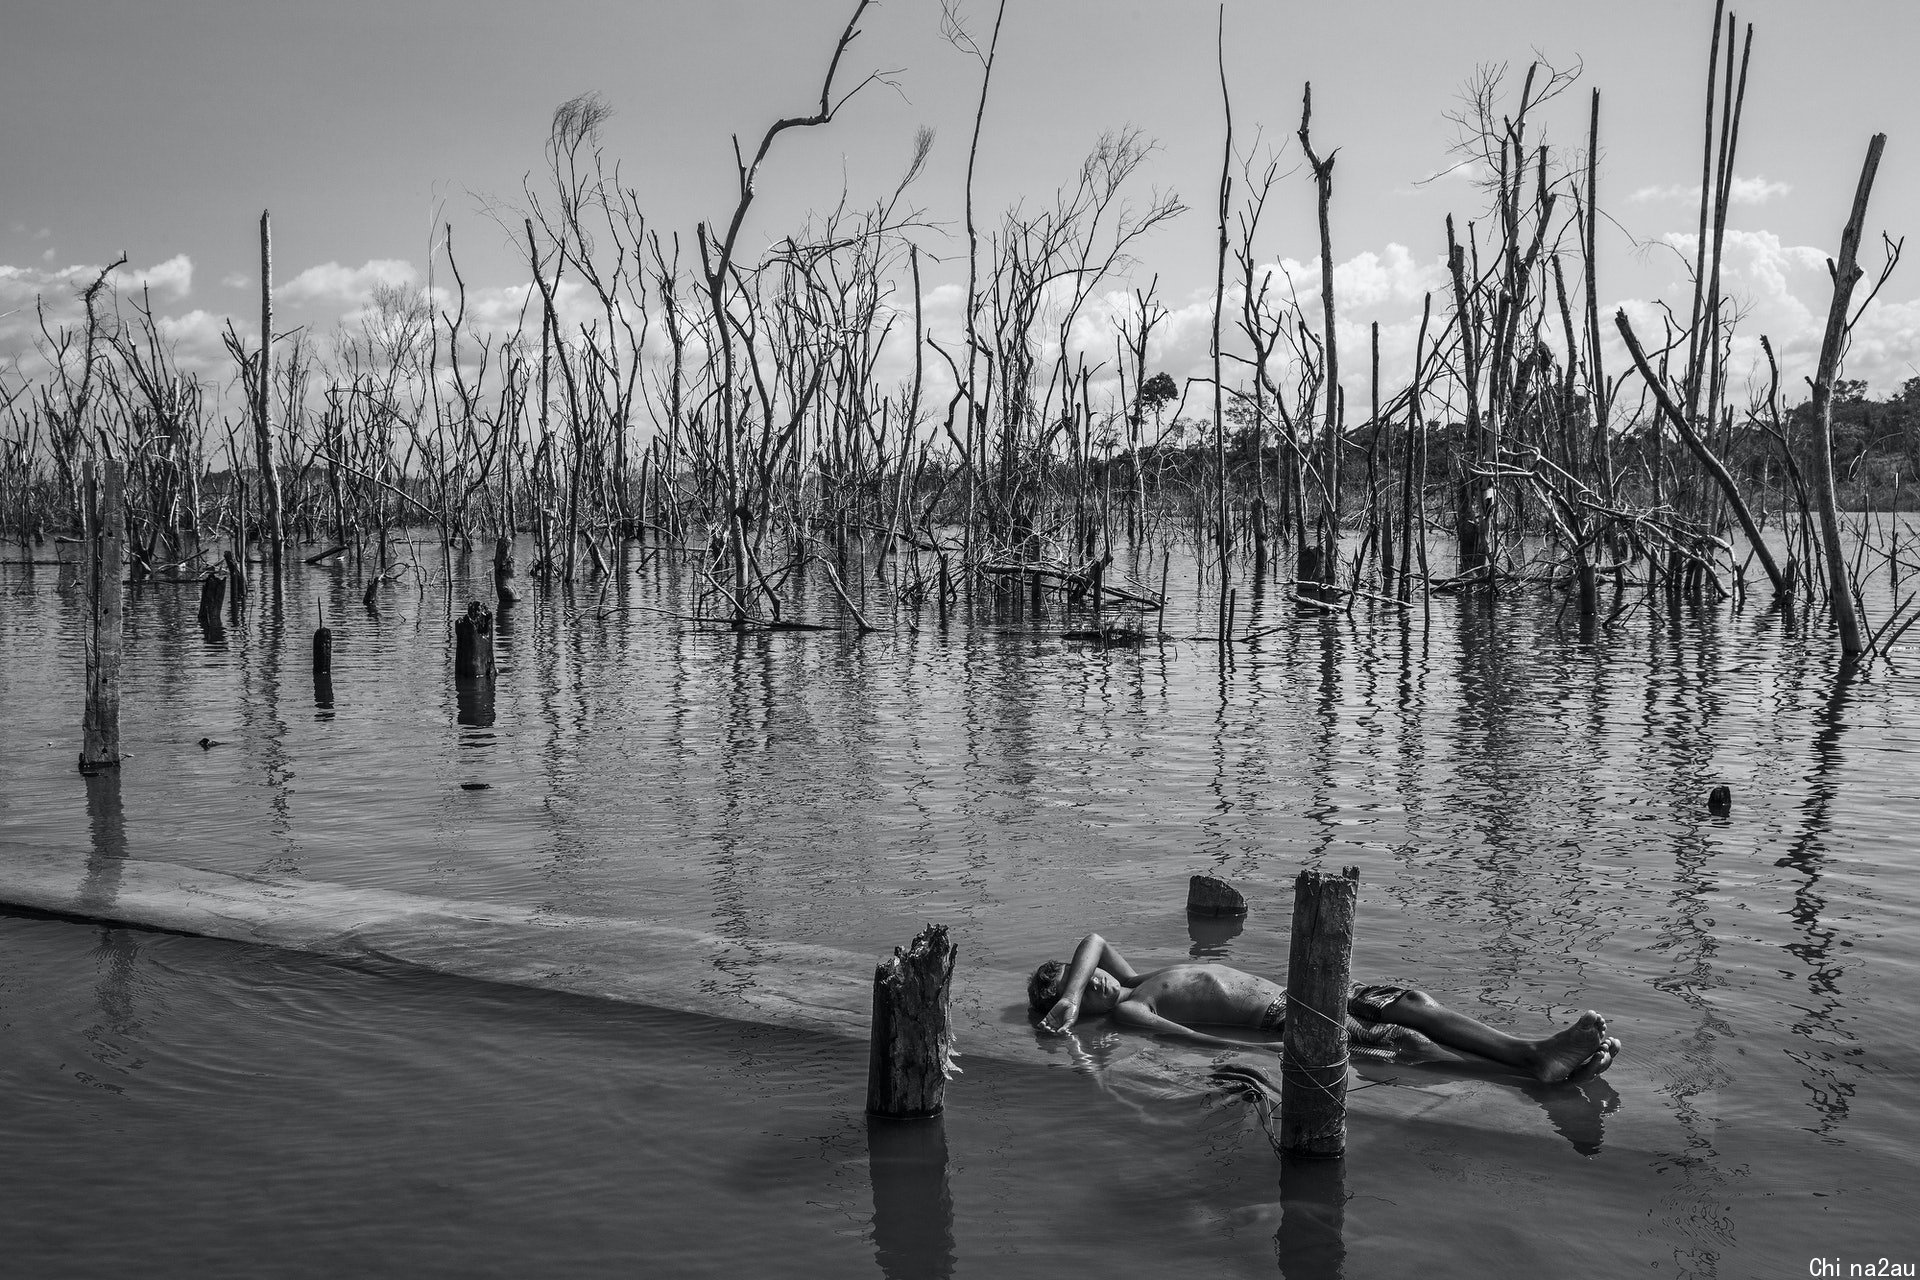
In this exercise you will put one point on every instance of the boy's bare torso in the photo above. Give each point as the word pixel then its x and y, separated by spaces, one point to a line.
pixel 1207 993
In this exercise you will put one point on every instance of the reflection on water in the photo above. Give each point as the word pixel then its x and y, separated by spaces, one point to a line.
pixel 1311 1243
pixel 912 1203
pixel 1525 802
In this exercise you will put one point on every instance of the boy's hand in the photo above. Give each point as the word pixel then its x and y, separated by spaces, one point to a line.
pixel 1062 1016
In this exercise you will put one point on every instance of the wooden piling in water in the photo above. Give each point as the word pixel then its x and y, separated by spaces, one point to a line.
pixel 106 515
pixel 473 644
pixel 910 1051
pixel 1313 1084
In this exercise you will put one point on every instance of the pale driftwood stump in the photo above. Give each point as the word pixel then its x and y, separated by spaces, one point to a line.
pixel 106 543
pixel 1212 896
pixel 911 1047
pixel 1313 1082
pixel 473 644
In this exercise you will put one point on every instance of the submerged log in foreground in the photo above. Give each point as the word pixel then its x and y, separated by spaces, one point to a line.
pixel 1313 1082
pixel 910 1054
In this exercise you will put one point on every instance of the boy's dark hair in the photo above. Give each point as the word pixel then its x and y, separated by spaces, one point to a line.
pixel 1043 988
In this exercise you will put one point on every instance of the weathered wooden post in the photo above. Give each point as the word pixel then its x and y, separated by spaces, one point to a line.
pixel 106 532
pixel 473 644
pixel 1313 1082
pixel 213 596
pixel 504 594
pixel 909 1055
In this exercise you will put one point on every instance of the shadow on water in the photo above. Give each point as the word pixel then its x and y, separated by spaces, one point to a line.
pixel 912 1202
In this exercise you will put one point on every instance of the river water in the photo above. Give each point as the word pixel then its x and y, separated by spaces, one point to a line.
pixel 1527 810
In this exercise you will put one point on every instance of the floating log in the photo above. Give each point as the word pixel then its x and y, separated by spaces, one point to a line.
pixel 106 513
pixel 910 1051
pixel 473 644
pixel 1313 1092
pixel 1212 896
pixel 328 554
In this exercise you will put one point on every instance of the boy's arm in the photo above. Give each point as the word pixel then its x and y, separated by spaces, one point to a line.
pixel 1094 952
pixel 1136 1014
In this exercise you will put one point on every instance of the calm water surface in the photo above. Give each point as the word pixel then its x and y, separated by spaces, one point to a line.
pixel 1527 811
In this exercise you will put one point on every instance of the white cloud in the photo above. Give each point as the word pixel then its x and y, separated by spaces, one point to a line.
pixel 236 280
pixel 1753 190
pixel 331 283
pixel 174 276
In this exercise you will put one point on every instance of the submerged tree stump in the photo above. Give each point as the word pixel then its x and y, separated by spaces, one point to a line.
pixel 503 591
pixel 106 541
pixel 1313 1081
pixel 473 644
pixel 322 650
pixel 1212 896
pixel 213 597
pixel 910 1053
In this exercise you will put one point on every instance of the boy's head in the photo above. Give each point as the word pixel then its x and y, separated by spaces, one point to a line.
pixel 1103 992
pixel 1043 988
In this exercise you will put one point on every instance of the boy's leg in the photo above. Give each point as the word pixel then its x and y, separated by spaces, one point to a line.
pixel 1578 1052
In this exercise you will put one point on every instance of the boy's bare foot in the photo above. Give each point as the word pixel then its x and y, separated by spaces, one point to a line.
pixel 1580 1052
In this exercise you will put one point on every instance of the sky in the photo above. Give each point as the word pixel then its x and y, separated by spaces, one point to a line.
pixel 162 128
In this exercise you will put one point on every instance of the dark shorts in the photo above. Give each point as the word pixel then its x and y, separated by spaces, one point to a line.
pixel 1365 1003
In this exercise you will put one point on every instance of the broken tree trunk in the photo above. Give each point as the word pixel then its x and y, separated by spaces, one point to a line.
pixel 1845 276
pixel 213 596
pixel 1313 1083
pixel 106 541
pixel 911 1050
pixel 473 644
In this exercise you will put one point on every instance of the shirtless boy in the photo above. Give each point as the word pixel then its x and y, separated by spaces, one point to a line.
pixel 1168 1001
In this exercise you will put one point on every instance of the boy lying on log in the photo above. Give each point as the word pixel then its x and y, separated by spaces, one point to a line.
pixel 1166 1001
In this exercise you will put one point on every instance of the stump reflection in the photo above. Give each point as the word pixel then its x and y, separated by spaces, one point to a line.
pixel 912 1204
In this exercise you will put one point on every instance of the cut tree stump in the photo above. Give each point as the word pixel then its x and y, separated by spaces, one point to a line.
pixel 1212 896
